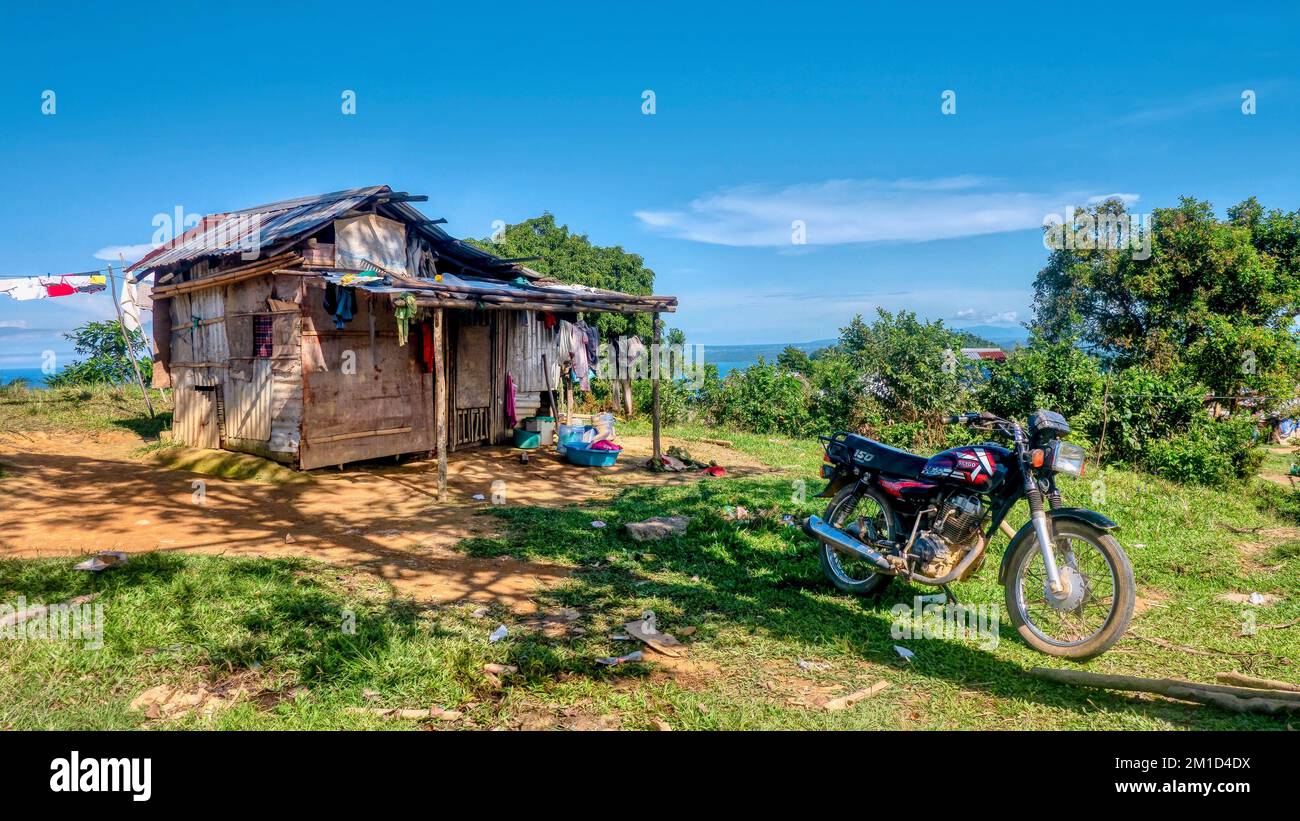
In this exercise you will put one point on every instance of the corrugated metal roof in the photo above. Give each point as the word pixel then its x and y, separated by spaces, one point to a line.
pixel 472 290
pixel 260 228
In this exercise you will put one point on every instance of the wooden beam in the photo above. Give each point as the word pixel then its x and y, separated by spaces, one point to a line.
pixel 654 389
pixel 440 400
pixel 402 196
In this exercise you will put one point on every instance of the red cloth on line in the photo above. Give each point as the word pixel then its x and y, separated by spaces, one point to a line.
pixel 510 401
pixel 426 347
pixel 59 290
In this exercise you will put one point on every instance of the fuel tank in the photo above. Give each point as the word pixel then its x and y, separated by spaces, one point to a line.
pixel 979 467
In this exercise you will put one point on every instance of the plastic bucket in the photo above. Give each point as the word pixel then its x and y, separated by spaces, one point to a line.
pixel 605 426
pixel 527 438
pixel 574 434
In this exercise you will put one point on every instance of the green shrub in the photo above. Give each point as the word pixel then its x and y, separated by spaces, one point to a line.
pixel 763 398
pixel 1211 452
pixel 1146 406
pixel 1056 376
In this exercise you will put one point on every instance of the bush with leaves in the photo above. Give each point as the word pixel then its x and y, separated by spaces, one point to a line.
pixel 763 398
pixel 1145 405
pixel 1056 376
pixel 1211 452
pixel 106 361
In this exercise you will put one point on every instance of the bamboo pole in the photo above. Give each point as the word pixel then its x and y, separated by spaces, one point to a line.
pixel 126 340
pixel 654 388
pixel 440 401
pixel 1234 699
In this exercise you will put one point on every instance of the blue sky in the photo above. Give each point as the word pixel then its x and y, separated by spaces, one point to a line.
pixel 764 114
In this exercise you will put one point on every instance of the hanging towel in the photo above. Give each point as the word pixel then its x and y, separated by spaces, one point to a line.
pixel 426 347
pixel 511 412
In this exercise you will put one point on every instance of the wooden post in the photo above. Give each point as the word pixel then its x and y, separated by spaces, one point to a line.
pixel 126 340
pixel 654 387
pixel 440 401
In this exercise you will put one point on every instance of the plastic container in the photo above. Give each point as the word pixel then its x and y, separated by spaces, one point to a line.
pixel 590 457
pixel 604 426
pixel 574 434
pixel 527 439
pixel 544 426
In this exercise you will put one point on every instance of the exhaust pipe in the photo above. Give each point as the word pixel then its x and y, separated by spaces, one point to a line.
pixel 839 540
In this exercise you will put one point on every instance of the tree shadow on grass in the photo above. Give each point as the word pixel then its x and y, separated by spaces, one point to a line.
pixel 763 576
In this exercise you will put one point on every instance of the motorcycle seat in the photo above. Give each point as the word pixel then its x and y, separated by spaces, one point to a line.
pixel 877 456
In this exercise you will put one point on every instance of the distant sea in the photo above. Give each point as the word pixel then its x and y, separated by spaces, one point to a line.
pixel 734 357
pixel 35 377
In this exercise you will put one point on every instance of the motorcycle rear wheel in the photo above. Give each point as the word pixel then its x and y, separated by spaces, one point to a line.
pixel 852 575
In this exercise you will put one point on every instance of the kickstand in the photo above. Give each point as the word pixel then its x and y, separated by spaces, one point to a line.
pixel 947 592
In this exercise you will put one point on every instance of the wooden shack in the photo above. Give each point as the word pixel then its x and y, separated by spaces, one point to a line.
pixel 432 335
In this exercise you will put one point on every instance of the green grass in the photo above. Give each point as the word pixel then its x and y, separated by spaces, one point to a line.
pixel 753 591
pixel 89 407
pixel 222 463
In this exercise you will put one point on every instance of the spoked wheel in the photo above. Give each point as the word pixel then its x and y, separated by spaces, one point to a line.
pixel 1095 607
pixel 867 515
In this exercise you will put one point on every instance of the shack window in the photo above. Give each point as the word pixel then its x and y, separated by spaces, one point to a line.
pixel 262 336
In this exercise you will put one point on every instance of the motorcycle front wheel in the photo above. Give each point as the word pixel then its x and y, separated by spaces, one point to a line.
pixel 850 507
pixel 1098 602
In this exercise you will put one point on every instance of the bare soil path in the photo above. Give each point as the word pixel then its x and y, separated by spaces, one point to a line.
pixel 71 493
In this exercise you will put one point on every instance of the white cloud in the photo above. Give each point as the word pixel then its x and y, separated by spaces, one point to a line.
pixel 13 323
pixel 986 317
pixel 130 253
pixel 847 211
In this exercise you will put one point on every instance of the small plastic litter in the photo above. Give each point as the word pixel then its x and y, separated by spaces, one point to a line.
pixel 498 634
pixel 478 497
pixel 904 653
pixel 102 560
pixel 1257 598
pixel 811 665
pixel 598 524
pixel 612 660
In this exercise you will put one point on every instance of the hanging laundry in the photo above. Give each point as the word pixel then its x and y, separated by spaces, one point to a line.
pixel 581 365
pixel 59 289
pixel 404 309
pixel 22 288
pixel 133 299
pixel 592 341
pixel 511 412
pixel 426 347
pixel 340 303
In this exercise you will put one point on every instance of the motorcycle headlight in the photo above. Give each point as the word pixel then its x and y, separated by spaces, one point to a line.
pixel 1068 458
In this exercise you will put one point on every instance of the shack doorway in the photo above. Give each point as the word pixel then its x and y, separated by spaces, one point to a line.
pixel 471 380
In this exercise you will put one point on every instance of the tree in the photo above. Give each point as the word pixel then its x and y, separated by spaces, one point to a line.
pixel 914 370
pixel 573 259
pixel 794 360
pixel 1219 297
pixel 106 357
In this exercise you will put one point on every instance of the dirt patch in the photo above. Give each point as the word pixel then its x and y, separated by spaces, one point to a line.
pixel 1148 598
pixel 86 492
pixel 224 464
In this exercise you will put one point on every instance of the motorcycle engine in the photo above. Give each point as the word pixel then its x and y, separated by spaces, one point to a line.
pixel 955 530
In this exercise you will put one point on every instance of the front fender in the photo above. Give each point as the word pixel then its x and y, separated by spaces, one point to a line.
pixel 1026 531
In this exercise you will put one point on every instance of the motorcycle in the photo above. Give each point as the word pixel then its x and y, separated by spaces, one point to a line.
pixel 1068 584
